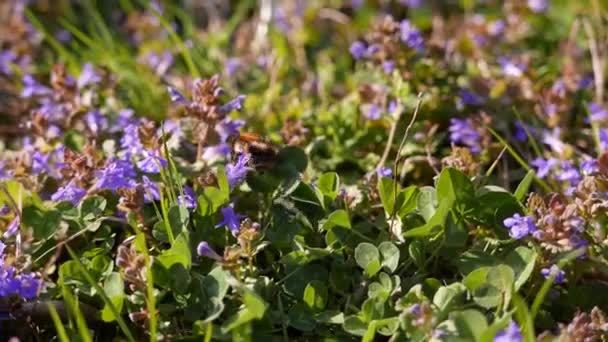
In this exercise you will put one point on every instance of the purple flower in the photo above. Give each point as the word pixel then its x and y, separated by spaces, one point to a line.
pixel 4 210
pixel 496 27
pixel 385 172
pixel 462 132
pixel 538 6
pixel 159 63
pixel 411 36
pixel 40 163
pixel 96 122
pixel 130 141
pixel 415 310
pixel 590 167
pixel 188 199
pixel 511 334
pixel 235 104
pixel 469 98
pixel 560 275
pixel 237 172
pixel 373 112
pixel 213 153
pixel 597 112
pixel 568 173
pixel 151 190
pixel 357 49
pixel 88 76
pixel 228 127
pixel 7 58
pixel 152 162
pixel 31 88
pixel 13 227
pixel 543 167
pixel 520 131
pixel 26 284
pixel 603 138
pixel 411 3
pixel 232 66
pixel 203 249
pixel 117 174
pixel 388 66
pixel 70 193
pixel 554 141
pixel 63 36
pixel 510 68
pixel 520 226
pixel 176 96
pixel 231 219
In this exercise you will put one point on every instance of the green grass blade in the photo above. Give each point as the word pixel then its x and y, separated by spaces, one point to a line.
pixel 106 300
pixel 61 333
pixel 524 319
pixel 72 304
pixel 535 147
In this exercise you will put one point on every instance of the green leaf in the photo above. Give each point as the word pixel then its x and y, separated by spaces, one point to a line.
pixel 355 325
pixel 389 192
pixel 524 185
pixel 92 207
pixel 522 261
pixel 454 186
pixel 215 286
pixel 44 224
pixel 315 296
pixel 330 317
pixel 337 218
pixel 172 265
pixel 470 324
pixel 390 255
pixel 301 318
pixel 114 289
pixel 409 203
pixel 178 219
pixel 254 308
pixel 434 225
pixel 524 319
pixel 368 258
pixel 426 202
pixel 445 296
pixel 456 232
pixel 328 185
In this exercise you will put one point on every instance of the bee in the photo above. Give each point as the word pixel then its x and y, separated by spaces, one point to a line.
pixel 263 153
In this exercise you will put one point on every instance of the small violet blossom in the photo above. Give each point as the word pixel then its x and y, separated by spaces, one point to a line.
pixel 32 88
pixel 237 172
pixel 205 250
pixel 544 166
pixel 590 167
pixel 70 193
pixel 538 6
pixel 13 227
pixel 117 174
pixel 411 36
pixel 520 226
pixel 560 275
pixel 88 76
pixel 188 199
pixel 463 132
pixel 373 112
pixel 231 220
pixel 511 334
pixel 152 162
pixel 385 172
pixel 151 190
pixel 597 112
pixel 228 127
